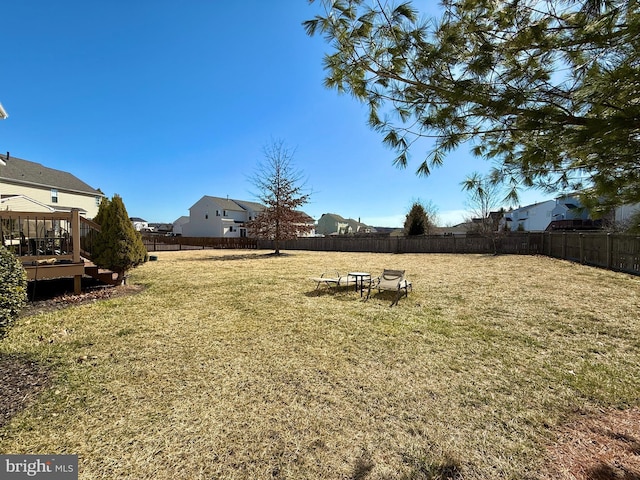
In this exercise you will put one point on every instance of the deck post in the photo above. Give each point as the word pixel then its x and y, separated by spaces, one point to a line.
pixel 75 229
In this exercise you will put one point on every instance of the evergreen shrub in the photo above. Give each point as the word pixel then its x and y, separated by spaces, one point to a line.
pixel 13 289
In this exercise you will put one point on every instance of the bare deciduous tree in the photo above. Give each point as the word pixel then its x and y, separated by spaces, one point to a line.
pixel 282 192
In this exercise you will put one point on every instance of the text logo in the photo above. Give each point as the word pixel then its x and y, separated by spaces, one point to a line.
pixel 45 467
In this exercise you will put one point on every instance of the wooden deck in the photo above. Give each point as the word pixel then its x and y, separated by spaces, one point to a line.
pixel 53 245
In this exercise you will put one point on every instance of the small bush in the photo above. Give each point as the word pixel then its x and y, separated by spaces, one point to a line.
pixel 13 289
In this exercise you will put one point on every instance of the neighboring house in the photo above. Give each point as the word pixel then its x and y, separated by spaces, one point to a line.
pixel 356 226
pixel 334 224
pixel 538 216
pixel 458 229
pixel 139 223
pixel 309 222
pixel 162 228
pixel 178 224
pixel 26 185
pixel 530 218
pixel 216 217
pixel 623 213
pixel 569 208
pixel 219 217
pixel 252 208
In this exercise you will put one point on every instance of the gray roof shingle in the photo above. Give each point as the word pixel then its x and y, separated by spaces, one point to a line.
pixel 23 171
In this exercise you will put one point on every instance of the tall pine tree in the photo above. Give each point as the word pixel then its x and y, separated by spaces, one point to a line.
pixel 548 90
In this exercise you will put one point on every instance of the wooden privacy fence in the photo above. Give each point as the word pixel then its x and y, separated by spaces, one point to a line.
pixel 618 252
pixel 155 243
pixel 523 244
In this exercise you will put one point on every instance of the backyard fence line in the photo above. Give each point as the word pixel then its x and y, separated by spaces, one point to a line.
pixel 155 243
pixel 619 252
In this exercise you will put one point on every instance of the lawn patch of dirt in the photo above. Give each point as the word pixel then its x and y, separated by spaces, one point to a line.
pixel 21 379
pixel 600 447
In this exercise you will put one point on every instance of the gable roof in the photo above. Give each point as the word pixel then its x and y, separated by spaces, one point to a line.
pixel 335 217
pixel 224 203
pixel 17 170
pixel 255 206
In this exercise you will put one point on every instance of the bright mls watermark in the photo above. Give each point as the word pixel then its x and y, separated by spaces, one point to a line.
pixel 48 467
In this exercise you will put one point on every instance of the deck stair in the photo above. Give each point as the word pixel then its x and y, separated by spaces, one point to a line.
pixel 101 274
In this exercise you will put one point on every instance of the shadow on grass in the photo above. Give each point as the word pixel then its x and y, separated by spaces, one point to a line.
pixel 21 379
pixel 340 294
pixel 423 468
pixel 47 289
pixel 362 467
pixel 244 256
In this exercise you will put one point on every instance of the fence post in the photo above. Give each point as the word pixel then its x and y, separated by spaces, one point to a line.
pixel 609 241
pixel 581 243
pixel 564 245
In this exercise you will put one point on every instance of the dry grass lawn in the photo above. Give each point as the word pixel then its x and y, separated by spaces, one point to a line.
pixel 230 365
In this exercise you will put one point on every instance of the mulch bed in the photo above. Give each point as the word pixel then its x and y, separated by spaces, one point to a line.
pixel 598 447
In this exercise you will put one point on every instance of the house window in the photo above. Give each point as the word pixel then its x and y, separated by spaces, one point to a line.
pixel 206 216
pixel 217 213
pixel 98 200
pixel 54 195
pixel 224 212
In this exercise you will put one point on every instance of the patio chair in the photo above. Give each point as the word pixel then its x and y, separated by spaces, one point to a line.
pixel 334 279
pixel 393 281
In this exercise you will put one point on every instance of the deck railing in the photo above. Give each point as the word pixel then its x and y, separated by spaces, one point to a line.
pixel 32 236
pixel 88 233
pixel 61 235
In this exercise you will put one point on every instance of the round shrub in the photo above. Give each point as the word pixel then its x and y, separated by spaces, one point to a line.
pixel 13 288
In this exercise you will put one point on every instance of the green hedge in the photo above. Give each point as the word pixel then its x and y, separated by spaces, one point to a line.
pixel 13 289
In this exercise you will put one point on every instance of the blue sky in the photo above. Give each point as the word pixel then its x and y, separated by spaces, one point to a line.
pixel 163 102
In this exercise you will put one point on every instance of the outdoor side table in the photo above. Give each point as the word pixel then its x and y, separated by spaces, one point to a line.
pixel 360 277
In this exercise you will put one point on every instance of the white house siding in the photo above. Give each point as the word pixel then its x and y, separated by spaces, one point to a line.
pixel 330 224
pixel 140 225
pixel 624 213
pixel 211 217
pixel 179 224
pixel 219 217
pixel 533 218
